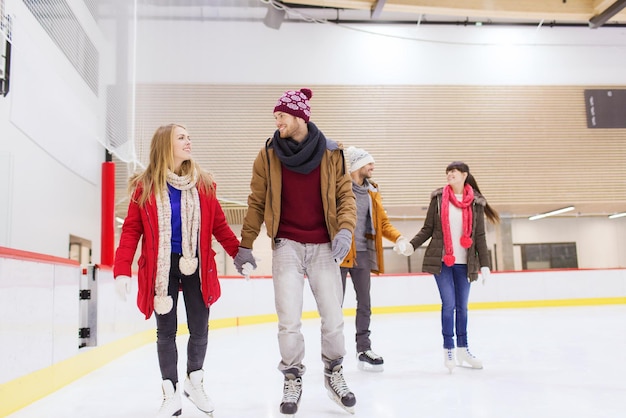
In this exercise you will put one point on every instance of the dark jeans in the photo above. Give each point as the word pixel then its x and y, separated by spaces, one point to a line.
pixel 454 291
pixel 197 322
pixel 361 279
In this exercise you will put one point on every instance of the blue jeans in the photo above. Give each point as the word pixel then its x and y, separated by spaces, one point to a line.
pixel 291 261
pixel 197 322
pixel 454 290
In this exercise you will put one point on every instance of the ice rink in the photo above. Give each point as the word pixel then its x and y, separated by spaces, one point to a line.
pixel 538 362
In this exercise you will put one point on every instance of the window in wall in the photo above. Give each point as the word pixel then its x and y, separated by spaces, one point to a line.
pixel 80 250
pixel 549 256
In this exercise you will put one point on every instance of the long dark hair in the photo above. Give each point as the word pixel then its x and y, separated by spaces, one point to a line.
pixel 490 212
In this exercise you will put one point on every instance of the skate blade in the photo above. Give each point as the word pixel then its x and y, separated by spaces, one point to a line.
pixel 208 413
pixel 335 399
pixel 469 366
pixel 367 367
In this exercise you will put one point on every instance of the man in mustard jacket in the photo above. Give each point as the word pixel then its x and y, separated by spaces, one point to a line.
pixel 366 252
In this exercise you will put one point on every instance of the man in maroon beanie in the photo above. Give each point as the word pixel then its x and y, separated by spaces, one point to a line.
pixel 302 191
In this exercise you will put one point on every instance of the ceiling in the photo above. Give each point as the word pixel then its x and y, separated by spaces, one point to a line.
pixel 594 13
pixel 591 13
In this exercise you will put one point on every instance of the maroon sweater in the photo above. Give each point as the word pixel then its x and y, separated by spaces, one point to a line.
pixel 301 211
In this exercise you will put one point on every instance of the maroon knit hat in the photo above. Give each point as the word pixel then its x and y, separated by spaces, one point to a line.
pixel 295 103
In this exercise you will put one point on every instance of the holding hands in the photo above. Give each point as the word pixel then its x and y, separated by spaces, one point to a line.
pixel 245 262
pixel 403 247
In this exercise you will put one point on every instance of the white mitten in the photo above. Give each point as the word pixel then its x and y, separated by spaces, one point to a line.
pixel 485 272
pixel 403 247
pixel 246 270
pixel 122 287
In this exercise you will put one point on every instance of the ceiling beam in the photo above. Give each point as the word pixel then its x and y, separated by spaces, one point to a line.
pixel 565 10
pixel 600 19
pixel 378 8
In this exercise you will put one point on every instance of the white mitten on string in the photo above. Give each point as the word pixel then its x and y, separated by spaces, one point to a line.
pixel 122 287
pixel 485 273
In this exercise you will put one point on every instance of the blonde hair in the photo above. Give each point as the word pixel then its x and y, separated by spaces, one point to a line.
pixel 154 178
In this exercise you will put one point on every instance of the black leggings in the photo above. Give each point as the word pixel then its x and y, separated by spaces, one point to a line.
pixel 197 322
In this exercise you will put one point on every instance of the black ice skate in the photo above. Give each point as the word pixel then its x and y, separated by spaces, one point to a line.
pixel 292 391
pixel 337 388
pixel 369 361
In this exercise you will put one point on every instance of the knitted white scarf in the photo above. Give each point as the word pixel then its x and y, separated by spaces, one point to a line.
pixel 190 224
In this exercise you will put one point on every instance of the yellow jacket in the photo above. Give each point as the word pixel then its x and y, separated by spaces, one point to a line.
pixel 383 228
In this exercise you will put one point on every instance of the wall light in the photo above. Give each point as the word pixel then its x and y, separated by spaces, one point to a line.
pixel 554 212
pixel 617 215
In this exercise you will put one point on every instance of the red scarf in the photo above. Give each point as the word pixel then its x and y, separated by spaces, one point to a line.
pixel 466 206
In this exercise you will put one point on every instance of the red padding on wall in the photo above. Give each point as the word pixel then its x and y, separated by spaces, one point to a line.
pixel 108 214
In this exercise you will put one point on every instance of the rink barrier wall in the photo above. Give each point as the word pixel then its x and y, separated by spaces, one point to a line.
pixel 39 311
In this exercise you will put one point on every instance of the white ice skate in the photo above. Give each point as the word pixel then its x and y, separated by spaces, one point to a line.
pixel 194 390
pixel 448 359
pixel 464 355
pixel 171 406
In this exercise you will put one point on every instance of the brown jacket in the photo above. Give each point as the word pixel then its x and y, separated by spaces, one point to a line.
pixel 477 254
pixel 266 193
pixel 382 227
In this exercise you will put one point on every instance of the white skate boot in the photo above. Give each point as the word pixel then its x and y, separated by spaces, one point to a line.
pixel 448 359
pixel 171 406
pixel 337 388
pixel 292 391
pixel 194 390
pixel 369 361
pixel 463 355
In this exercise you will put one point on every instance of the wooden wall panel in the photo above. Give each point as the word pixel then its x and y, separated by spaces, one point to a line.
pixel 528 146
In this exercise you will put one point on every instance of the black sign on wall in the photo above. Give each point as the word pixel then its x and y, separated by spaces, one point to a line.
pixel 605 108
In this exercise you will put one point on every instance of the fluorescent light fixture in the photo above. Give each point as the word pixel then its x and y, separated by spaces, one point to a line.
pixel 119 220
pixel 554 212
pixel 617 215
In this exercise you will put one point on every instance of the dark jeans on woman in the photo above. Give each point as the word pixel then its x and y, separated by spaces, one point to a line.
pixel 361 279
pixel 454 291
pixel 197 322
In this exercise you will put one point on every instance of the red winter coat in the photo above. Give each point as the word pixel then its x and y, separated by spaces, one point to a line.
pixel 142 222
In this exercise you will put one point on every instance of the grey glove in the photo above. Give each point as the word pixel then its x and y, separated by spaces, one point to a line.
pixel 244 255
pixel 341 245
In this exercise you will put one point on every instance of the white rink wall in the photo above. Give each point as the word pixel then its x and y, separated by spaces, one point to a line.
pixel 40 311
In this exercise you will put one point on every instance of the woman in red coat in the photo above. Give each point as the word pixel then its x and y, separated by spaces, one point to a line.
pixel 175 211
